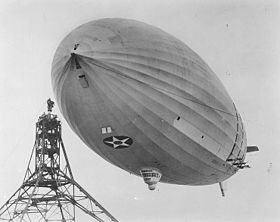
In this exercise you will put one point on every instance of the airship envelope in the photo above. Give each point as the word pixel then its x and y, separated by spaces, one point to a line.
pixel 147 103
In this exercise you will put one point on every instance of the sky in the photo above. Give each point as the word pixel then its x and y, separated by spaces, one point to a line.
pixel 239 40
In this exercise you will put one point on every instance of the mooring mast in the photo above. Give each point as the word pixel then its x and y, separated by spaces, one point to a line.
pixel 49 192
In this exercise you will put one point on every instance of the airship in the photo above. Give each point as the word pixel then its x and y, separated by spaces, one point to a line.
pixel 147 103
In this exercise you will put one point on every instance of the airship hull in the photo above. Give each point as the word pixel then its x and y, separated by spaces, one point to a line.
pixel 140 98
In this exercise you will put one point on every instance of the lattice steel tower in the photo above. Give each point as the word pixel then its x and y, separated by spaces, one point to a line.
pixel 49 192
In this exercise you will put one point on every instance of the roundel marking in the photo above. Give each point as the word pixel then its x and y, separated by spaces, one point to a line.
pixel 118 142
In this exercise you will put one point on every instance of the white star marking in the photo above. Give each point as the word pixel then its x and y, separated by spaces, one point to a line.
pixel 123 142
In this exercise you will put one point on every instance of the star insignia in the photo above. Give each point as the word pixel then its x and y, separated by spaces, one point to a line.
pixel 118 142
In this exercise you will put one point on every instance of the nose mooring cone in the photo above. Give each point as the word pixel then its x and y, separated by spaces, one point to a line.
pixel 151 176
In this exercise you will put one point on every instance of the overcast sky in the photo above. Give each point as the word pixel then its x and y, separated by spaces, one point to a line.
pixel 239 40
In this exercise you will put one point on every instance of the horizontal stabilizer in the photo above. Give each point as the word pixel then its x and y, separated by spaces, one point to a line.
pixel 252 149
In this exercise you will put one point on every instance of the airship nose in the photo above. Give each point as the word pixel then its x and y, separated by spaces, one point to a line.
pixel 75 49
